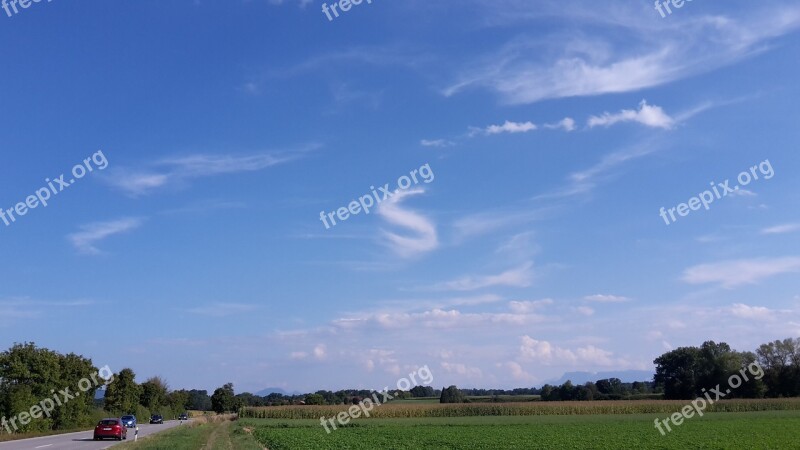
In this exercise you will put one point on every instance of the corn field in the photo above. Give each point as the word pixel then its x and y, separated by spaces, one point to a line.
pixel 398 411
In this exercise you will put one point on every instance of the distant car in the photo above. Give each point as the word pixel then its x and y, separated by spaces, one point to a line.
pixel 156 418
pixel 110 428
pixel 129 421
pixel 183 416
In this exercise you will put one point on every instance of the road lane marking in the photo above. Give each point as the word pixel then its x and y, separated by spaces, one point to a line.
pixel 43 446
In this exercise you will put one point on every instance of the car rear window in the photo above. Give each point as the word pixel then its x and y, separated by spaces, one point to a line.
pixel 127 417
pixel 108 422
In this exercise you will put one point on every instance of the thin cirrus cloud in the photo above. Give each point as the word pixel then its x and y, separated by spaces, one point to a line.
pixel 605 298
pixel 521 276
pixel 735 273
pixel 528 70
pixel 782 229
pixel 85 241
pixel 425 238
pixel 181 170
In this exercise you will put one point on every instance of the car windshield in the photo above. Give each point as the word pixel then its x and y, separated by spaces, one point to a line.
pixel 107 422
pixel 127 417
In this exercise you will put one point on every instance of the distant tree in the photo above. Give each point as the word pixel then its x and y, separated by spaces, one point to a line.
pixel 199 400
pixel 422 391
pixel 154 394
pixel 223 399
pixel 315 399
pixel 780 361
pixel 451 395
pixel 123 394
pixel 178 401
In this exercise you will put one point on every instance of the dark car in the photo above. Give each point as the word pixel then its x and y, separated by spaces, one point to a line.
pixel 183 416
pixel 156 418
pixel 129 421
pixel 110 428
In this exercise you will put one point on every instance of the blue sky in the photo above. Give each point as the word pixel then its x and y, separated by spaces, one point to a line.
pixel 554 131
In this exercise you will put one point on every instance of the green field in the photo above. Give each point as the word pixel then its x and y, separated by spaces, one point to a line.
pixel 748 430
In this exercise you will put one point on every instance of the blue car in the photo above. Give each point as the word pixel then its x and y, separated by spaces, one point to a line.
pixel 129 421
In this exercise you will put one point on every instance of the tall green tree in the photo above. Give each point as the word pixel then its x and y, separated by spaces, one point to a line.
pixel 154 394
pixel 223 399
pixel 122 394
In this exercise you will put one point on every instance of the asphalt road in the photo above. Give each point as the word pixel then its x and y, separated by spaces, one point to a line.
pixel 81 440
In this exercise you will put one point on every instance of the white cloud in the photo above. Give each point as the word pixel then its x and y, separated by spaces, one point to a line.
pixel 518 277
pixel 585 310
pixel 462 369
pixel 781 229
pixel 567 124
pixel 510 127
pixel 603 298
pixel 752 312
pixel 437 143
pixel 651 116
pixel 734 273
pixel 528 306
pixel 180 170
pixel 543 352
pixel 426 238
pixel 518 373
pixel 86 239
pixel 619 51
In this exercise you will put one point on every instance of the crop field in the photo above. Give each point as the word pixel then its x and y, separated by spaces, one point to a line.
pixel 409 410
pixel 736 430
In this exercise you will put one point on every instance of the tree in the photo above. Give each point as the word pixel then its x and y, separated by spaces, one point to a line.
pixel 178 400
pixel 451 395
pixel 315 399
pixel 422 391
pixel 28 375
pixel 199 400
pixel 223 399
pixel 154 394
pixel 677 372
pixel 122 395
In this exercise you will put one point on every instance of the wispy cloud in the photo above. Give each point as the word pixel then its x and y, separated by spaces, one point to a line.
pixel 603 298
pixel 521 276
pixel 651 116
pixel 425 239
pixel 735 273
pixel 180 170
pixel 782 229
pixel 86 239
pixel 531 69
pixel 436 143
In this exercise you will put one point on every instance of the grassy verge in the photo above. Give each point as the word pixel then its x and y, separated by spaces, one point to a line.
pixel 207 433
pixel 764 430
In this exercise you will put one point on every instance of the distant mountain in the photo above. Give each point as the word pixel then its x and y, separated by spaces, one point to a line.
pixel 627 376
pixel 274 390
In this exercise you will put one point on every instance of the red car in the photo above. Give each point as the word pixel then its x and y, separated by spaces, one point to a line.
pixel 110 428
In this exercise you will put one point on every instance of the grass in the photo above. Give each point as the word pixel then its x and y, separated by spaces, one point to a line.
pixel 762 430
pixel 215 433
